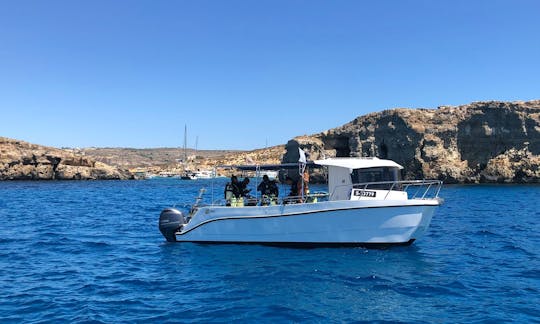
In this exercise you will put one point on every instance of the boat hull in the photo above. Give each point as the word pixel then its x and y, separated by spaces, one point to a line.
pixel 326 223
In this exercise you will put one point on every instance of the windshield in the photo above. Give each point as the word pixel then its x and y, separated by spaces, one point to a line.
pixel 376 175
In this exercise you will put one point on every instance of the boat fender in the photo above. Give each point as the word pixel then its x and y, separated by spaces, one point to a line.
pixel 170 221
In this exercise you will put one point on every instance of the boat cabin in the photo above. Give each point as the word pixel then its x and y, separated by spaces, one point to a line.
pixel 363 178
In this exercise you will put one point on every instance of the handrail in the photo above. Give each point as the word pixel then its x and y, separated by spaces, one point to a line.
pixel 405 184
pixel 401 186
pixel 283 201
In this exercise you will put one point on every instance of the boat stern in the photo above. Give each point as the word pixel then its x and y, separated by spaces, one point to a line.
pixel 171 221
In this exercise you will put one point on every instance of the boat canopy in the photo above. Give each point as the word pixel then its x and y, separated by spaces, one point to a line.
pixel 255 167
pixel 345 162
pixel 358 163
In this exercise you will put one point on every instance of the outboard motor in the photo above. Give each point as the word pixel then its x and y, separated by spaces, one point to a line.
pixel 170 220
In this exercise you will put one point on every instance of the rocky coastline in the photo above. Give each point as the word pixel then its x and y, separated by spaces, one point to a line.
pixel 482 142
pixel 20 160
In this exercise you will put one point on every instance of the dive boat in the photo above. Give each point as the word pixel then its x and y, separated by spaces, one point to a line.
pixel 367 204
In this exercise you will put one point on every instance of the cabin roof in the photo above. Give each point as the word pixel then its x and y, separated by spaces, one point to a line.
pixel 266 167
pixel 345 162
pixel 358 163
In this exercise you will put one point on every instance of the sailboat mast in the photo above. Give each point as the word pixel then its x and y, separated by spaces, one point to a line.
pixel 185 143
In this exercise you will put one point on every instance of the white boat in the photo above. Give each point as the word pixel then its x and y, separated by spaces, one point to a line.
pixel 188 175
pixel 168 174
pixel 204 174
pixel 367 204
pixel 194 175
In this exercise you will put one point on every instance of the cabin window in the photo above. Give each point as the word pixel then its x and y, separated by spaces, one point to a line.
pixel 376 175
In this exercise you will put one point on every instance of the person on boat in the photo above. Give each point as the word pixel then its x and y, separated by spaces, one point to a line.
pixel 244 192
pixel 269 191
pixel 232 191
pixel 292 197
pixel 303 184
pixel 294 186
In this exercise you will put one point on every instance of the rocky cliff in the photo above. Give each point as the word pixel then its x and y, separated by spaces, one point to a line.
pixel 24 161
pixel 479 142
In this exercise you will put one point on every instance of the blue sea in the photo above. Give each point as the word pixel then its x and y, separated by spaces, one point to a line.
pixel 92 252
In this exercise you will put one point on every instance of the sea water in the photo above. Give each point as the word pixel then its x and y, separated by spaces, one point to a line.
pixel 92 252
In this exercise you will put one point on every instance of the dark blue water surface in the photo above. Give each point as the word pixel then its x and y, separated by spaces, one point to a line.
pixel 91 251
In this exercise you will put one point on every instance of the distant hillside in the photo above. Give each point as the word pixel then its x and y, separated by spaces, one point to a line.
pixel 270 155
pixel 479 142
pixel 20 160
pixel 170 158
pixel 133 158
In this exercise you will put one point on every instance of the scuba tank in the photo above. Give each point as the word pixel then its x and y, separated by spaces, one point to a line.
pixel 240 202
pixel 229 194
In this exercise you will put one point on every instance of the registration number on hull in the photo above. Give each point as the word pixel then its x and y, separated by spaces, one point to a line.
pixel 364 193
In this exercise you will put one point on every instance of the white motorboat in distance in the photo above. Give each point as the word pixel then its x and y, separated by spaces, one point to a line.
pixel 204 174
pixel 199 174
pixel 367 204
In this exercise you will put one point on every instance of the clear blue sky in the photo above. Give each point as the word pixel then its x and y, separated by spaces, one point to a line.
pixel 243 73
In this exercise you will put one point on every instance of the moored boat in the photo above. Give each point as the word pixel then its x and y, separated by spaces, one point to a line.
pixel 204 174
pixel 199 174
pixel 188 175
pixel 367 204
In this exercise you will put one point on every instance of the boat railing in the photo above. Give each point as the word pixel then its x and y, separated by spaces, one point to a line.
pixel 272 201
pixel 416 189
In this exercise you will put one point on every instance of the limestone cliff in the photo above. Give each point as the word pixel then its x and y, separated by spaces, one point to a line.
pixel 24 161
pixel 479 142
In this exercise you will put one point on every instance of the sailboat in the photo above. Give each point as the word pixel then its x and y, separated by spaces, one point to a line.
pixel 186 174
